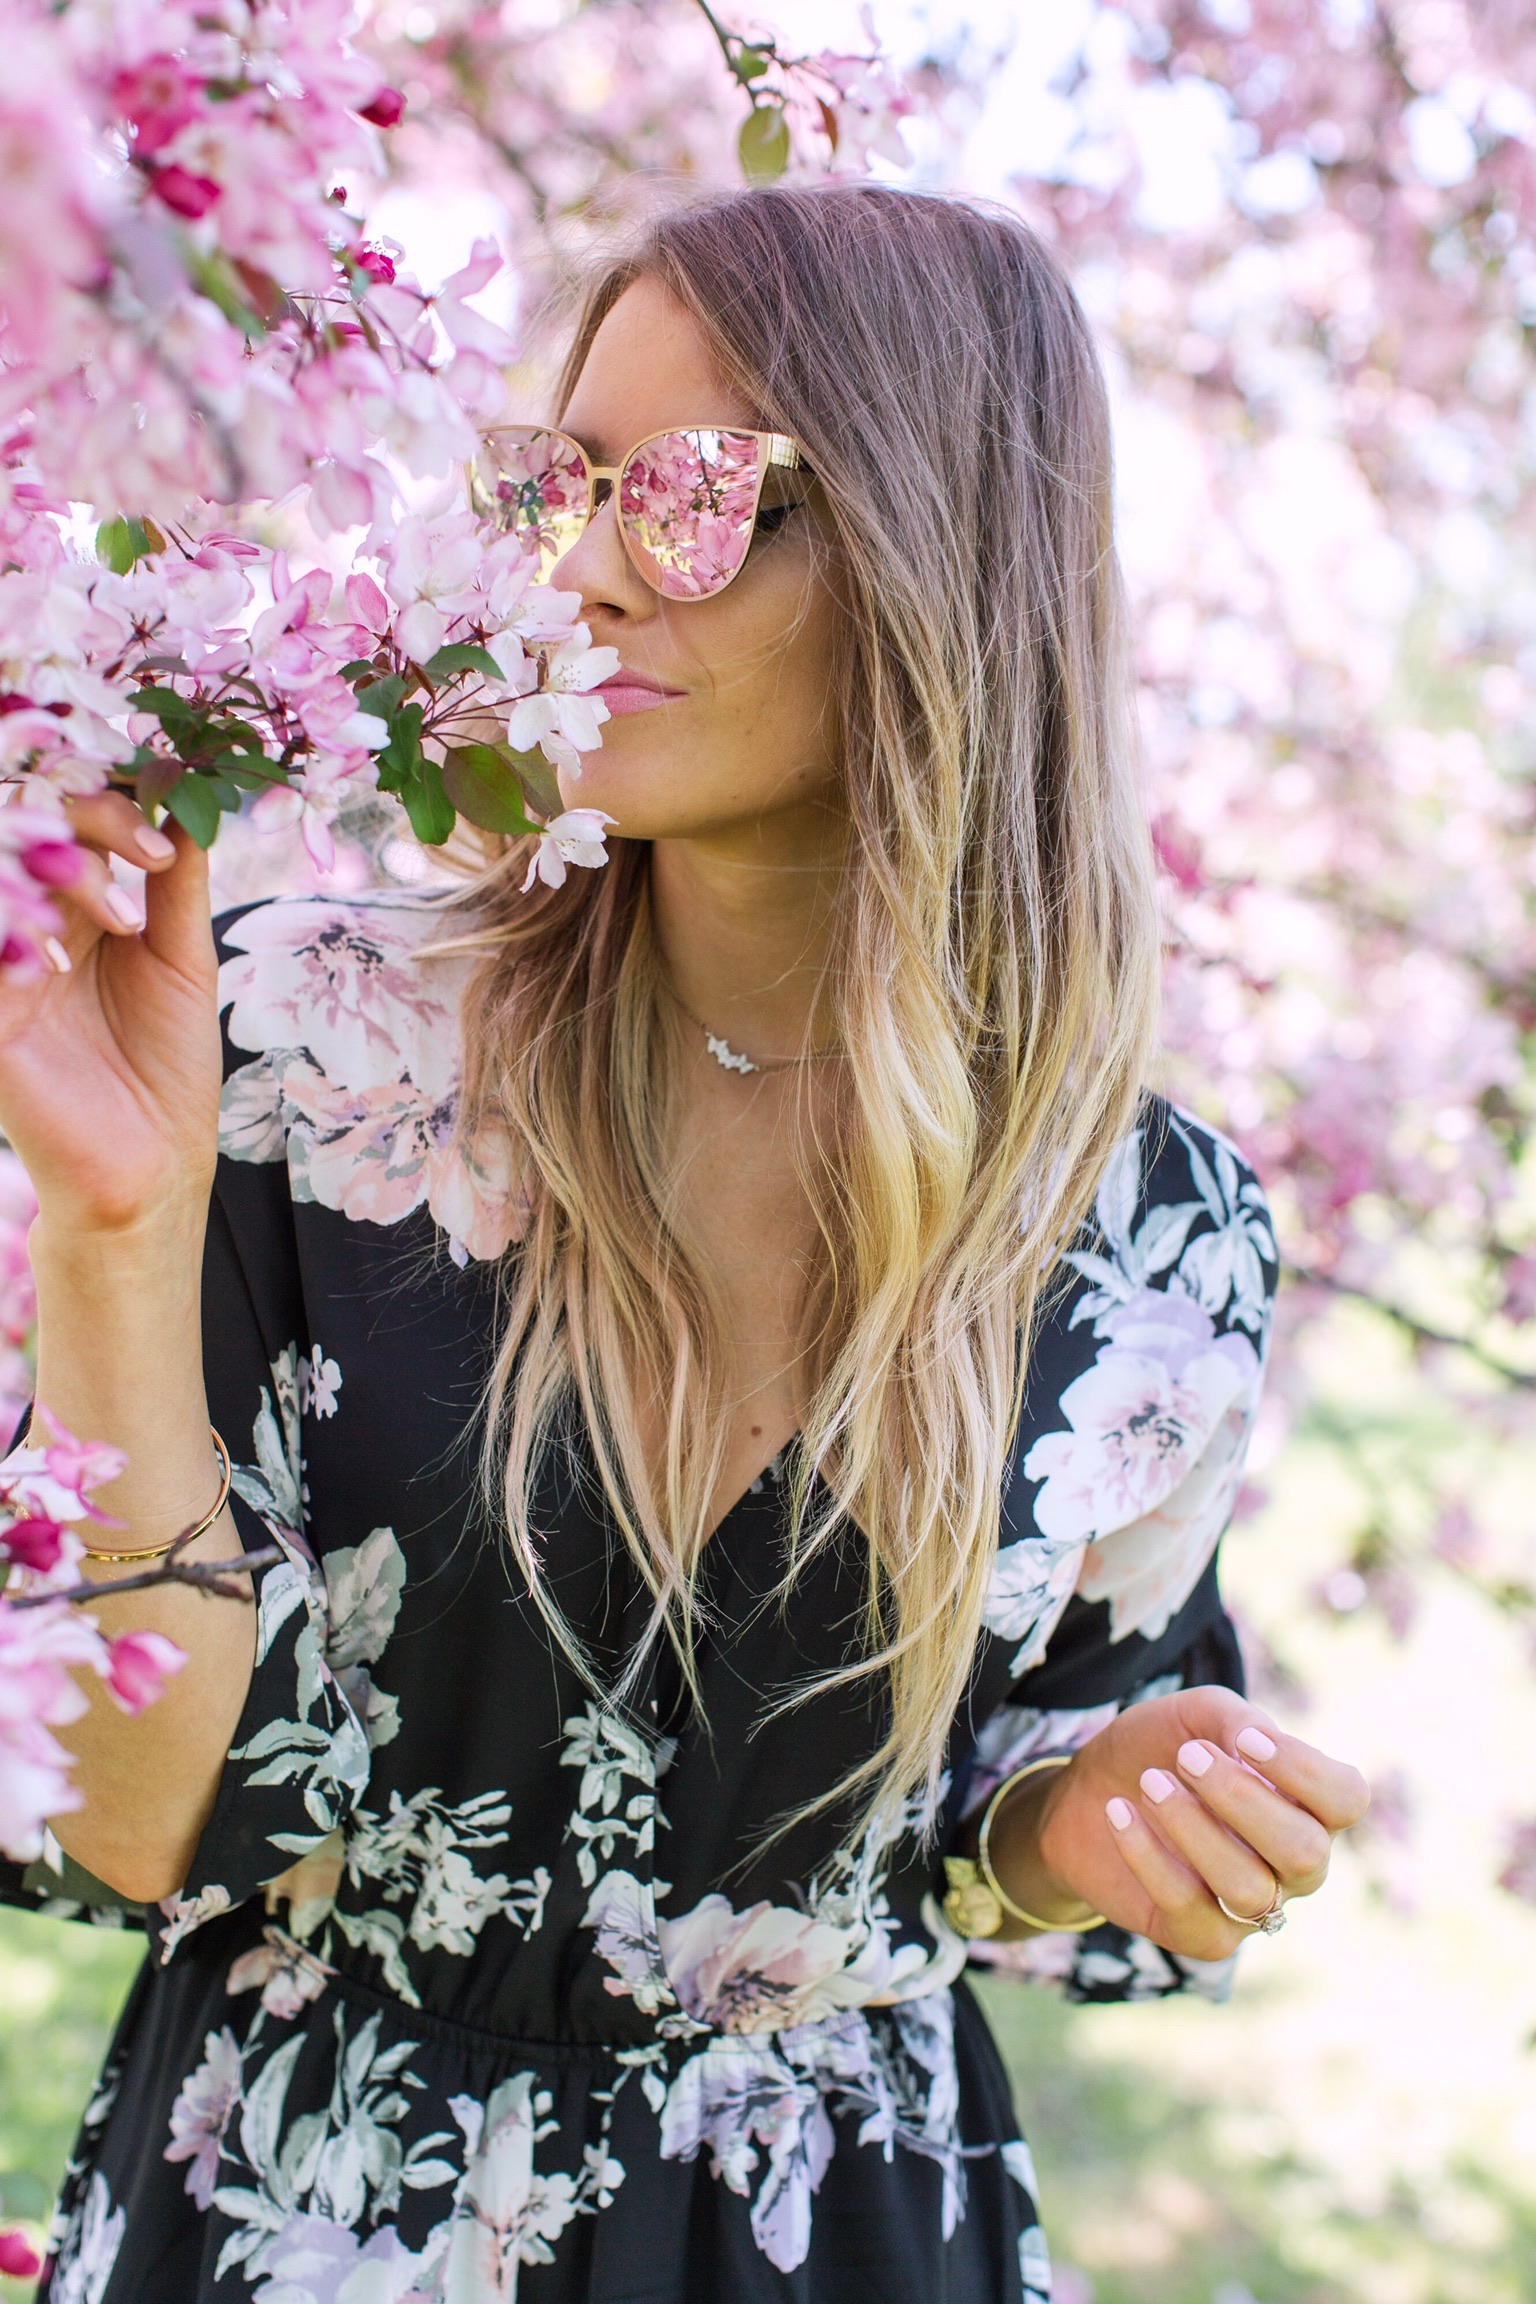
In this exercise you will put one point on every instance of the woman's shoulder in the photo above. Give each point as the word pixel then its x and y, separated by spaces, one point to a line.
pixel 1178 1209
pixel 343 1060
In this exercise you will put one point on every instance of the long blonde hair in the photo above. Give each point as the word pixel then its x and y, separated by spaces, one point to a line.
pixel 994 950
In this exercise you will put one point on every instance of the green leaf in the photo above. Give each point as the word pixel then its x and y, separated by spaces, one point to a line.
pixel 461 656
pixel 154 778
pixel 400 760
pixel 541 786
pixel 763 145
pixel 428 805
pixel 383 697
pixel 751 64
pixel 218 280
pixel 482 786
pixel 195 805
pixel 181 720
pixel 360 668
pixel 120 542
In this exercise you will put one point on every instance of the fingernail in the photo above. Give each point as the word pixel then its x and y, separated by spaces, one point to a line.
pixel 1194 1759
pixel 58 959
pixel 1119 1813
pixel 123 908
pixel 1255 1745
pixel 153 843
pixel 1156 1785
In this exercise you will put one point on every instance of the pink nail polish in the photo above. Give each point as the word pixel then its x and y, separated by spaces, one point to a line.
pixel 154 844
pixel 58 959
pixel 123 908
pixel 1156 1785
pixel 1119 1813
pixel 1194 1759
pixel 1255 1745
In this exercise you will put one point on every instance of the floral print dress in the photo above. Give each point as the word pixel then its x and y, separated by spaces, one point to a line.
pixel 482 1987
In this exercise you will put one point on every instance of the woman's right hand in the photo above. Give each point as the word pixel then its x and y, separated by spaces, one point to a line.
pixel 109 1066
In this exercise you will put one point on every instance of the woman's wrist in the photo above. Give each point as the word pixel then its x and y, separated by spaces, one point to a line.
pixel 1016 1849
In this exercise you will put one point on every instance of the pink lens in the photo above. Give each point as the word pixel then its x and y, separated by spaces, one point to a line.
pixel 534 484
pixel 688 501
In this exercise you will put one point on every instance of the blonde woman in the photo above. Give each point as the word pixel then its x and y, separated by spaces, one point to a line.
pixel 745 1383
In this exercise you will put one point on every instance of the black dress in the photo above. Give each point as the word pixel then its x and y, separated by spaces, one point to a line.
pixel 482 1988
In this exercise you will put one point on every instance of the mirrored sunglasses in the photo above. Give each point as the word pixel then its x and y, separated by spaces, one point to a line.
pixel 689 503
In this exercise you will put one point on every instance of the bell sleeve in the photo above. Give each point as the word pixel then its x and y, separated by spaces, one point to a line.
pixel 1143 1388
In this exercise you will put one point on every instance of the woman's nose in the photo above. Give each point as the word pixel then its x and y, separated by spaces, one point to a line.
pixel 600 570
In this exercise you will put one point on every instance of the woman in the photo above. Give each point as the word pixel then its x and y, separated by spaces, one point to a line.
pixel 613 1298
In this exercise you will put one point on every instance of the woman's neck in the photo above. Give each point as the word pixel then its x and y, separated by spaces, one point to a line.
pixel 743 924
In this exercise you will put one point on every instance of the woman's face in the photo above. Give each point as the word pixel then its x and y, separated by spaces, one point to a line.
pixel 734 730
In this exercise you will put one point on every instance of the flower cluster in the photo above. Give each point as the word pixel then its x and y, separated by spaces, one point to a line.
pixel 207 670
pixel 45 1490
pixel 190 305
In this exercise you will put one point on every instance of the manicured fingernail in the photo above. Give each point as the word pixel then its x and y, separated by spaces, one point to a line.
pixel 123 908
pixel 153 843
pixel 1255 1745
pixel 1156 1785
pixel 58 959
pixel 1119 1813
pixel 1194 1759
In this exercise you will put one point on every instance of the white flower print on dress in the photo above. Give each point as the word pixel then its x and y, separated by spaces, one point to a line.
pixel 417 1853
pixel 622 1910
pixel 363 1584
pixel 87 2255
pixel 1031 1582
pixel 356 1048
pixel 201 2113
pixel 287 1975
pixel 754 1971
pixel 773 2097
pixel 274 1485
pixel 319 1383
pixel 1140 1417
pixel 505 2213
pixel 313 2261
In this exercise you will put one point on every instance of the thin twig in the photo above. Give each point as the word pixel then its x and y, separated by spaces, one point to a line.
pixel 1420 1330
pixel 217 1579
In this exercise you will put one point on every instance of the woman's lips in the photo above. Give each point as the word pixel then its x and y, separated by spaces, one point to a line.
pixel 624 692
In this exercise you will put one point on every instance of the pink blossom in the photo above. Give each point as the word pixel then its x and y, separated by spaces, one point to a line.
pixel 33 1543
pixel 386 110
pixel 19 2260
pixel 138 1666
pixel 157 98
pixel 39 1649
pixel 189 195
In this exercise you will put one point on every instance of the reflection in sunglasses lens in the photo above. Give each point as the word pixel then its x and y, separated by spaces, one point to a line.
pixel 688 501
pixel 533 484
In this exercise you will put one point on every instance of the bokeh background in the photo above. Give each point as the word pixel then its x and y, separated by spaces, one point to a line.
pixel 1304 230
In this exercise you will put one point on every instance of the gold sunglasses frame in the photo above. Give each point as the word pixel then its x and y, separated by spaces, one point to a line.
pixel 777 450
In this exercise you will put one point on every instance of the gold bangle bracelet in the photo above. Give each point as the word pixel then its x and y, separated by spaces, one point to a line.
pixel 977 1899
pixel 188 1535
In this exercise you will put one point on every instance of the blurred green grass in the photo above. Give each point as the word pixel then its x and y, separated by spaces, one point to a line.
pixel 1146 2200
pixel 61 1986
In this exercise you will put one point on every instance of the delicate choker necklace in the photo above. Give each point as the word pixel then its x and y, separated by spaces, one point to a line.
pixel 731 1059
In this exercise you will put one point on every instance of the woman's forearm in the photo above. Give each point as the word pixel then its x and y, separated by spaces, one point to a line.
pixel 120 1360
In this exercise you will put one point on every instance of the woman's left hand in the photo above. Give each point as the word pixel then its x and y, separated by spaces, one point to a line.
pixel 1178 1802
